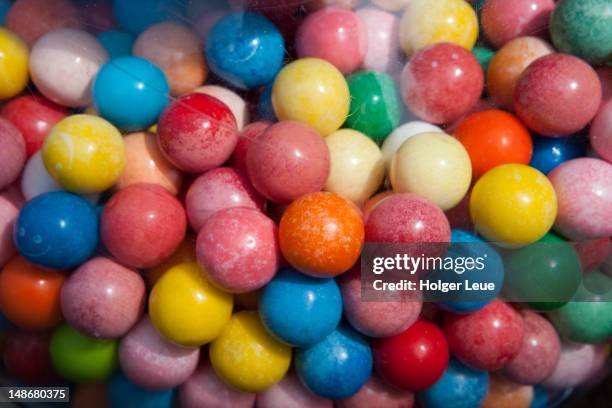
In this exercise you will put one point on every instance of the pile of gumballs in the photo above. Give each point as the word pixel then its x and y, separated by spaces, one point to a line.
pixel 187 188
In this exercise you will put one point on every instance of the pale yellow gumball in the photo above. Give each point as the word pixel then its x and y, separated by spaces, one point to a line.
pixel 433 165
pixel 357 165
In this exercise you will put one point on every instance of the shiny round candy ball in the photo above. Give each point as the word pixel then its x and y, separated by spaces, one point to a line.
pixel 84 154
pixel 337 366
pixel 600 133
pixel 312 91
pixel 12 153
pixel 402 133
pixel 13 64
pixel 246 357
pixel 434 166
pixel 383 42
pixel 57 230
pixel 122 392
pixel 513 204
pixel 245 49
pixel 550 152
pixel 236 103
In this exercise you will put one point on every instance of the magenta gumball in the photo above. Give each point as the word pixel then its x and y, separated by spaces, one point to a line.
pixel 219 189
pixel 601 132
pixel 290 159
pixel 291 393
pixel 12 153
pixel 103 299
pixel 441 83
pixel 557 95
pixel 150 361
pixel 377 393
pixel 584 196
pixel 238 249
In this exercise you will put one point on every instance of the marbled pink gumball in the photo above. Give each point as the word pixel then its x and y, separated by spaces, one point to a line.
pixel 326 31
pixel 12 153
pixel 150 361
pixel 441 83
pixel 584 198
pixel 205 389
pixel 377 393
pixel 383 39
pixel 238 249
pixel 103 299
pixel 557 95
pixel 600 133
pixel 219 189
pixel 605 77
pixel 288 160
pixel 291 393
pixel 577 362
pixel 504 20
pixel 8 214
pixel 246 137
pixel 539 351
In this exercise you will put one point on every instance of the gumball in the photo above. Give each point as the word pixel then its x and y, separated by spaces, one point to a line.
pixel 600 133
pixel 427 22
pixel 375 106
pixel 374 201
pixel 382 30
pixel 583 188
pixel 414 359
pixel 26 357
pixel 82 359
pixel 583 28
pixel 492 138
pixel 460 386
pixel 151 362
pixel 330 29
pixel 550 152
pixel 557 95
pixel 122 392
pixel 377 393
pixel 57 230
pixel 14 64
pixel 506 394
pixel 248 134
pixel 509 63
pixel 397 138
pixel 513 205
pixel 576 363
pixel 434 166
pixel 205 388
pixel 103 299
pixel 12 154
pixel 605 77
pixel 197 132
pixel 34 116
pixel 142 225
pixel 314 92
pixel 185 253
pixel 219 189
pixel 321 234
pixel 234 102
pixel 63 64
pixel 132 16
pixel 8 214
pixel 291 393
pixel 357 166
pixel 441 69
pixel 130 92
pixel 117 43
pixel 246 357
pixel 498 323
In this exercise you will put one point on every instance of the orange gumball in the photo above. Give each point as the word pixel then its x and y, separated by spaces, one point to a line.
pixel 321 234
pixel 494 137
pixel 30 295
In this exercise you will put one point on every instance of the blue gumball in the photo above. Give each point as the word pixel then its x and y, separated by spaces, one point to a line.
pixel 57 230
pixel 131 93
pixel 300 310
pixel 245 49
pixel 5 5
pixel 137 16
pixel 540 397
pixel 336 367
pixel 117 43
pixel 123 393
pixel 549 152
pixel 459 387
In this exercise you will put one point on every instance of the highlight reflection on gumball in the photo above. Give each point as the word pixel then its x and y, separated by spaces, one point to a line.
pixel 103 299
pixel 26 357
pixel 600 133
pixel 14 64
pixel 8 214
pixel 377 393
pixel 219 189
pixel 291 393
pixel 142 225
pixel 402 133
pixel 576 363
pixel 122 392
pixel 382 29
pixel 151 362
pixel 550 152
pixel 506 394
pixel 12 153
pixel 235 102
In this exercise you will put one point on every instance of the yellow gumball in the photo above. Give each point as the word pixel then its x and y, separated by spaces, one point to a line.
pixel 186 309
pixel 84 154
pixel 427 22
pixel 433 165
pixel 513 205
pixel 246 357
pixel 312 91
pixel 357 165
pixel 14 74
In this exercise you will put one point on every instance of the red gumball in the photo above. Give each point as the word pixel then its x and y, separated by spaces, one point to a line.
pixel 27 358
pixel 487 339
pixel 142 225
pixel 412 360
pixel 197 132
pixel 248 134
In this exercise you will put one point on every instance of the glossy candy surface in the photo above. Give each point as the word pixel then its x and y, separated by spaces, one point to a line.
pixel 402 133
pixel 14 57
pixel 383 40
pixel 234 102
pixel 550 152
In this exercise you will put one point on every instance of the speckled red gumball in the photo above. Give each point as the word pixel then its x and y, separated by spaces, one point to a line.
pixel 12 153
pixel 26 357
pixel 246 137
pixel 377 393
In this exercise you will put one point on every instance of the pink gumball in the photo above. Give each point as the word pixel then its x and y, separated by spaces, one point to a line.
pixel 601 132
pixel 8 215
pixel 238 249
pixel 377 393
pixel 12 153
pixel 605 77
pixel 142 225
pixel 584 198
pixel 577 362
pixel 150 361
pixel 441 83
pixel 383 39
pixel 291 393
pixel 289 160
pixel 246 137
pixel 103 299
pixel 218 189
